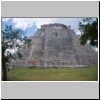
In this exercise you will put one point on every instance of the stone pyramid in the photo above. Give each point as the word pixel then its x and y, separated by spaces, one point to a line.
pixel 56 45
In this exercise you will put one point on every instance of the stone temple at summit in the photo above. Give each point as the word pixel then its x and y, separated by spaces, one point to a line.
pixel 56 45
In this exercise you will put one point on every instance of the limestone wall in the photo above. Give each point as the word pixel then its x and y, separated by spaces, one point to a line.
pixel 56 45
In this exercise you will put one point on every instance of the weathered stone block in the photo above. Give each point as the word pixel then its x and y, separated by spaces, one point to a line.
pixel 56 45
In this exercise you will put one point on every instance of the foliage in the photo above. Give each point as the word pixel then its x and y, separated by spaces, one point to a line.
pixel 89 31
pixel 27 41
pixel 10 38
pixel 12 44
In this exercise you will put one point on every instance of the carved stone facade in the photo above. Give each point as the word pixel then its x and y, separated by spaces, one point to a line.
pixel 56 45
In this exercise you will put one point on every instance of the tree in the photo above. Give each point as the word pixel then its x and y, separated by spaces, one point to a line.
pixel 27 41
pixel 12 40
pixel 89 31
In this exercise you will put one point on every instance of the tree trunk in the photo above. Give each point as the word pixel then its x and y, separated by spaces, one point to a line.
pixel 4 74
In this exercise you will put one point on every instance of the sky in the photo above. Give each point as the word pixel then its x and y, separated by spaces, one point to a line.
pixel 30 25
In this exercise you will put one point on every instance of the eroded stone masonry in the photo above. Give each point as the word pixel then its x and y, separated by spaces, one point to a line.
pixel 56 45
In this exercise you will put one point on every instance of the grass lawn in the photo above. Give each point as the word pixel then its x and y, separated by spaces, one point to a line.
pixel 54 74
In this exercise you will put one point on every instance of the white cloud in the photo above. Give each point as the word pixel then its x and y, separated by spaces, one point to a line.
pixel 5 19
pixel 78 32
pixel 73 22
pixel 41 21
pixel 24 23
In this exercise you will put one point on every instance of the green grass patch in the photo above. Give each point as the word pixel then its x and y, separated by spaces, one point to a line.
pixel 54 74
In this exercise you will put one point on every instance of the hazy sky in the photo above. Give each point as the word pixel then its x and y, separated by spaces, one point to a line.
pixel 30 25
